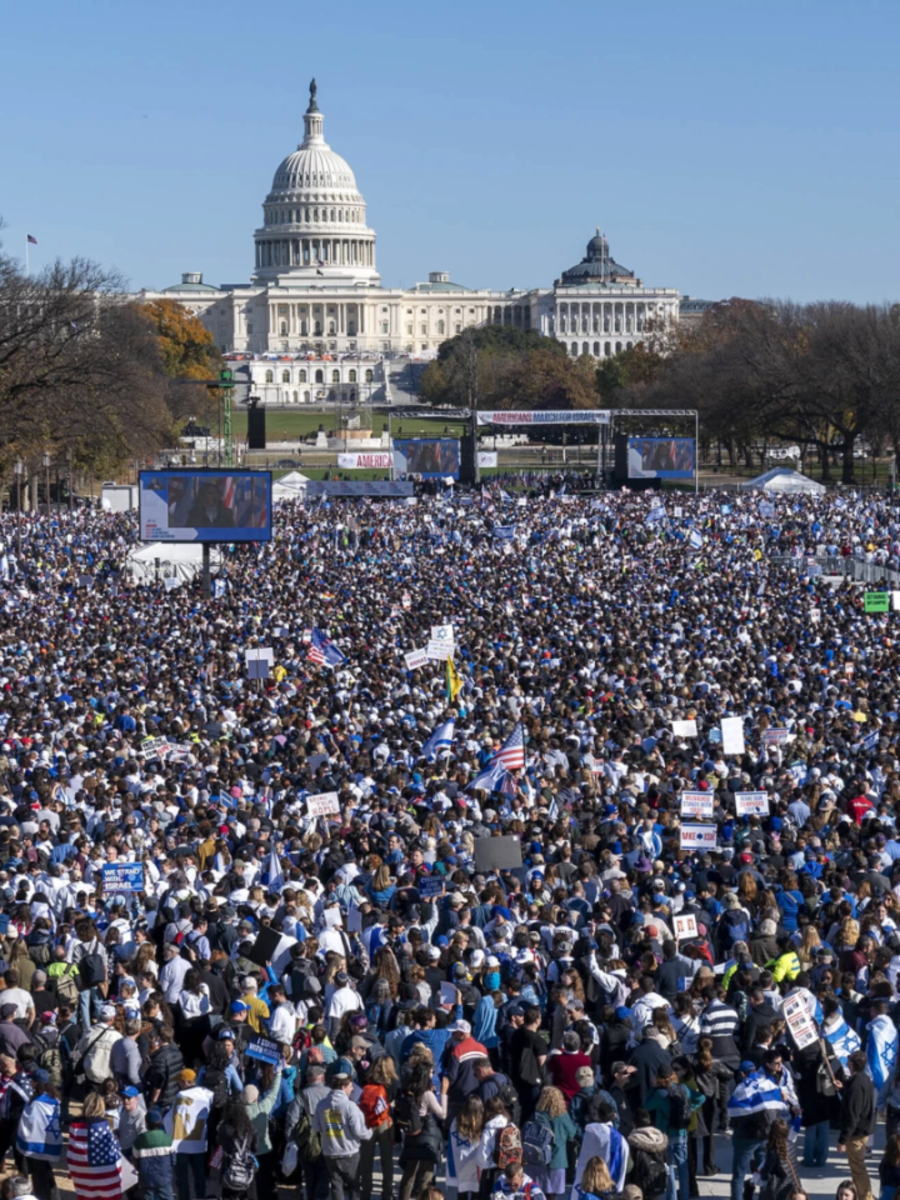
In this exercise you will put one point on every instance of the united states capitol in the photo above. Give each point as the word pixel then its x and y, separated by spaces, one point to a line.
pixel 314 322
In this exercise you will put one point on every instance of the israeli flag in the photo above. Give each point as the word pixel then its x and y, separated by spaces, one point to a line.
pixel 695 540
pixel 757 1093
pixel 490 779
pixel 602 1141
pixel 881 1051
pixel 38 1134
pixel 553 810
pixel 504 533
pixel 871 742
pixel 505 496
pixel 441 739
pixel 843 1040
pixel 274 876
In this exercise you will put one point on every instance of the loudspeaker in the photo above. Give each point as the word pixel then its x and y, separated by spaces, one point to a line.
pixel 256 428
pixel 468 448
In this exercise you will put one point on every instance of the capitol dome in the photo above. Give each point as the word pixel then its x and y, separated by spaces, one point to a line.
pixel 315 218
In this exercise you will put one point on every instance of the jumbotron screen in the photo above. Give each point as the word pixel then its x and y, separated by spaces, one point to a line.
pixel 205 506
pixel 660 458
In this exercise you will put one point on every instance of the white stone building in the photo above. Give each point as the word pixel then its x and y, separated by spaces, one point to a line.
pixel 315 323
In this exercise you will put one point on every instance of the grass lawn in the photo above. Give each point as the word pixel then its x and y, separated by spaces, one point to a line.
pixel 287 425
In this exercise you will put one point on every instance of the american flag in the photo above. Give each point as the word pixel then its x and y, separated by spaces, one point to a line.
pixel 512 753
pixel 93 1160
pixel 322 650
pixel 32 240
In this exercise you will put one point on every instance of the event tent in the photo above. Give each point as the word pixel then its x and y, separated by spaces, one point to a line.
pixel 290 487
pixel 177 560
pixel 784 481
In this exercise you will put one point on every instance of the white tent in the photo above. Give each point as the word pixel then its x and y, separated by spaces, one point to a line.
pixel 177 560
pixel 784 481
pixel 290 487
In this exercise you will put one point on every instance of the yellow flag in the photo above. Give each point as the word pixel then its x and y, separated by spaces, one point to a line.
pixel 454 682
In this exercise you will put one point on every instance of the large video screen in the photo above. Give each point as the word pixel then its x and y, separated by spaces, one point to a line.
pixel 432 458
pixel 660 458
pixel 205 506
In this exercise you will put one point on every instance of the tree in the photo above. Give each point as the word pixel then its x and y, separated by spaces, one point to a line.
pixel 636 367
pixel 189 352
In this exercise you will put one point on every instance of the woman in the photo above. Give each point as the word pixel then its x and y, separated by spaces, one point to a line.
pixel 778 1172
pixel 596 1182
pixel 496 1118
pixel 375 1102
pixel 462 1148
pixel 194 1005
pixel 709 1076
pixel 418 1113
pixel 685 1023
pixel 91 1136
pixel 237 1138
pixel 550 1112
pixel 381 890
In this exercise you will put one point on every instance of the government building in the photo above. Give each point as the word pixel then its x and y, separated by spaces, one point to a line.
pixel 314 322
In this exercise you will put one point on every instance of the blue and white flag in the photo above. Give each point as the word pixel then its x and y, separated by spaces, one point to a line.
pixel 881 1051
pixel 490 779
pixel 843 1039
pixel 695 540
pixel 755 1094
pixel 273 874
pixel 654 515
pixel 602 1141
pixel 505 495
pixel 441 739
pixel 553 810
pixel 39 1134
pixel 871 742
pixel 504 533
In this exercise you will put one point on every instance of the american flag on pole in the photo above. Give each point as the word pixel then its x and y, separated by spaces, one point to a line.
pixel 32 240
pixel 512 753
pixel 93 1160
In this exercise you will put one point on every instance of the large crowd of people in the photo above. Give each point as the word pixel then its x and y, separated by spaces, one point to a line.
pixel 614 870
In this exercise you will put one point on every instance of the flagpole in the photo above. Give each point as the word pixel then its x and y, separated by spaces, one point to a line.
pixel 26 254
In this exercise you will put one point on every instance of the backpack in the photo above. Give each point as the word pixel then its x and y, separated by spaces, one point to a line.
pixel 679 1109
pixel 735 926
pixel 214 1080
pixel 651 1174
pixel 537 1143
pixel 96 1057
pixel 511 1103
pixel 39 954
pixel 240 1172
pixel 49 1056
pixel 66 985
pixel 507 1147
pixel 309 1140
pixel 407 1117
pixel 91 970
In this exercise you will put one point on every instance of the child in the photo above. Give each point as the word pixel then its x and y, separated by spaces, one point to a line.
pixel 889 1168
pixel 514 1182
pixel 155 1166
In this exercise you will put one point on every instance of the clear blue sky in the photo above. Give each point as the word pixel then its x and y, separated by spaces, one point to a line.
pixel 725 147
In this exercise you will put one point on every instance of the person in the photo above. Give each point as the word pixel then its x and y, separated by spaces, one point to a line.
pixel 528 1051
pixel 462 1148
pixel 496 1120
pixel 596 1182
pixel 514 1181
pixel 551 1113
pixel 39 1139
pixel 94 1050
pixel 857 1122
pixel 649 1148
pixel 342 1128
pixel 418 1113
pixel 889 1168
pixel 238 1137
pixel 672 1102
pixel 209 510
pixel 152 1152
pixel 92 1143
pixel 132 1119
pixel 259 1105
pixel 186 1123
pixel 375 1104
pixel 778 1172
pixel 562 1067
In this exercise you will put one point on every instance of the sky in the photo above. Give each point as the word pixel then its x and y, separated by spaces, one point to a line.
pixel 725 148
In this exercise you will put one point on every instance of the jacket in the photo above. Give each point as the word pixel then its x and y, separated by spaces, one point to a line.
pixel 161 1074
pixel 259 1115
pixel 646 1144
pixel 155 1159
pixel 341 1125
pixel 787 966
pixel 857 1108
pixel 658 1102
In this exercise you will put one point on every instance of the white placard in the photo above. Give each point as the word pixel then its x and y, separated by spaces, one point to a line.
pixel 678 511
pixel 323 804
pixel 684 728
pixel 684 926
pixel 751 804
pixel 895 601
pixel 697 804
pixel 442 633
pixel 775 737
pixel 416 658
pixel 448 994
pixel 699 837
pixel 259 662
pixel 799 1022
pixel 487 458
pixel 331 918
pixel 406 600
pixel 439 650
pixel 354 920
pixel 732 735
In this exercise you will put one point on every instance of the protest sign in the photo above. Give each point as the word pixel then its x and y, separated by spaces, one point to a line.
pixel 406 600
pixel 323 804
pixel 264 1049
pixel 697 804
pixel 448 994
pixel 766 509
pixel 799 1022
pixel 732 735
pixel 684 728
pixel 416 658
pixel 265 948
pixel 354 920
pixel 154 747
pixel 776 737
pixel 487 458
pixel 684 925
pixel 179 752
pixel 697 837
pixel 497 853
pixel 877 602
pixel 430 885
pixel 442 633
pixel 122 877
pixel 259 662
pixel 751 804
pixel 332 918
pixel 439 649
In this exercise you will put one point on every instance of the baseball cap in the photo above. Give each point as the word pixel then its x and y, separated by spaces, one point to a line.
pixel 129 1092
pixel 224 1034
pixel 461 1027
pixel 238 1006
pixel 107 1012
pixel 358 1043
pixel 747 1067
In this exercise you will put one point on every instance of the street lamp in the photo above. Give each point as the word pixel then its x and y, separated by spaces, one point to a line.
pixel 47 478
pixel 20 471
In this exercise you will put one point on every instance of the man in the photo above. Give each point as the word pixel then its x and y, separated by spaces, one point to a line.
pixel 166 1063
pixel 282 1018
pixel 514 1182
pixel 94 1051
pixel 342 1127
pixel 751 1110
pixel 459 1079
pixel 529 1053
pixel 132 1119
pixel 171 977
pixel 13 994
pixel 125 1058
pixel 305 1103
pixel 642 1012
pixel 858 1114
pixel 12 1036
pixel 675 967
pixel 258 1012
pixel 719 1021
pixel 489 1081
pixel 760 1014
pixel 651 1062
pixel 344 1000
pixel 563 1066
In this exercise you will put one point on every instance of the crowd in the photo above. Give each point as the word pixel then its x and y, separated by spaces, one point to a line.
pixel 263 931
